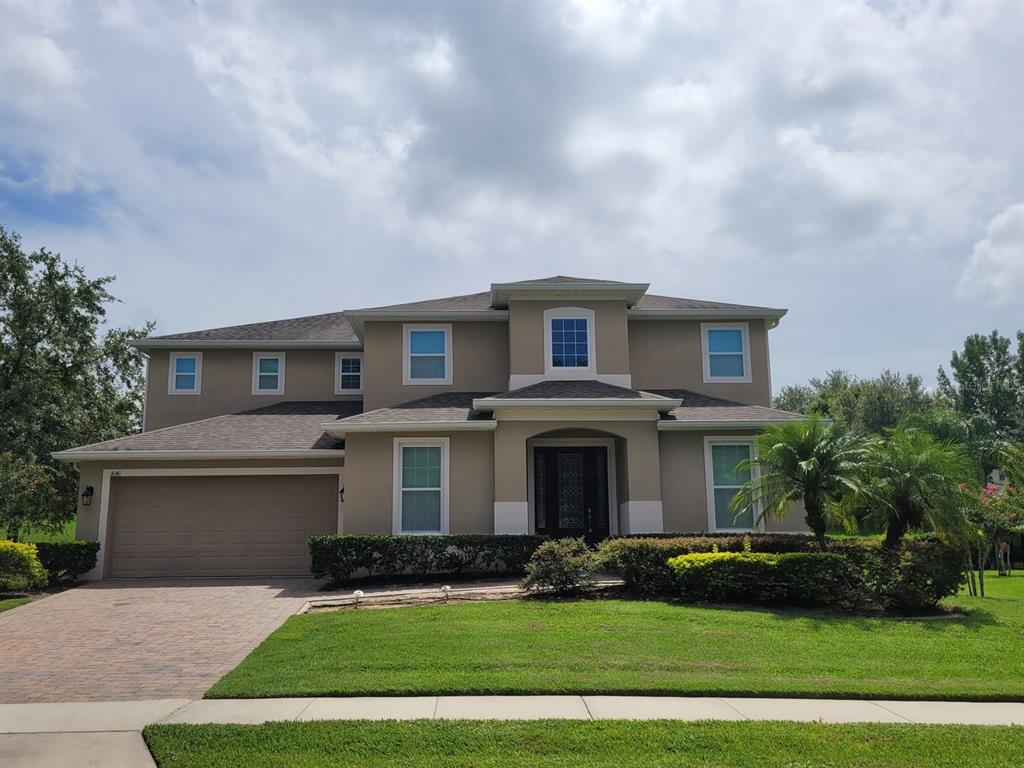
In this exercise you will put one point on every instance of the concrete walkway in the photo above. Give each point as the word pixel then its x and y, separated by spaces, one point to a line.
pixel 108 734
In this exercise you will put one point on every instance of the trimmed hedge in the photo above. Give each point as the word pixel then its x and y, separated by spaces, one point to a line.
pixel 914 578
pixel 20 568
pixel 791 578
pixel 344 557
pixel 67 560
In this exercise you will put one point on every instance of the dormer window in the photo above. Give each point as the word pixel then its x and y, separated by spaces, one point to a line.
pixel 185 373
pixel 569 341
pixel 268 373
pixel 726 352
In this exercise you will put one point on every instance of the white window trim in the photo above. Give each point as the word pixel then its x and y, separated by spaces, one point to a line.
pixel 589 371
pixel 172 361
pixel 407 355
pixel 744 329
pixel 396 492
pixel 709 481
pixel 338 357
pixel 256 357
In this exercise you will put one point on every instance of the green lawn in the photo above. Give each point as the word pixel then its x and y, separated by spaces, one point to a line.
pixel 576 744
pixel 638 647
pixel 6 602
pixel 67 533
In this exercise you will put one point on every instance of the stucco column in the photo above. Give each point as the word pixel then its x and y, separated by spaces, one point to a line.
pixel 511 508
pixel 641 512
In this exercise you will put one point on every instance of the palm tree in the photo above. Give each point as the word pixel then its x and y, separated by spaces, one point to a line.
pixel 814 461
pixel 910 480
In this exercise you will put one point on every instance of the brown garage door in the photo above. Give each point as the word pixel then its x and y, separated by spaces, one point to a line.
pixel 242 525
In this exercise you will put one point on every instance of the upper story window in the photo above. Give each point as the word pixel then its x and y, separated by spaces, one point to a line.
pixel 569 341
pixel 348 373
pixel 428 354
pixel 268 373
pixel 726 351
pixel 185 373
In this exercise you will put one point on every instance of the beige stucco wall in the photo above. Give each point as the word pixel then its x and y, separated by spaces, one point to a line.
pixel 684 484
pixel 479 362
pixel 666 354
pixel 369 482
pixel 527 335
pixel 226 384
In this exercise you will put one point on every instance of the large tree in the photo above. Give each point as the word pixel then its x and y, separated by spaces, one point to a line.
pixel 864 405
pixel 64 379
pixel 988 382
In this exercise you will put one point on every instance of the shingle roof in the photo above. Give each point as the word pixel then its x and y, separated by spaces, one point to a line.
pixel 466 302
pixel 448 407
pixel 329 327
pixel 282 427
pixel 567 280
pixel 700 408
pixel 588 389
pixel 652 301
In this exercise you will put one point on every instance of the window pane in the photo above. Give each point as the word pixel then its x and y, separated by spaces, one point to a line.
pixel 569 348
pixel 267 381
pixel 184 381
pixel 421 511
pixel 421 466
pixel 724 459
pixel 426 367
pixel 723 511
pixel 351 381
pixel 426 342
pixel 269 365
pixel 725 365
pixel 351 365
pixel 725 340
pixel 185 365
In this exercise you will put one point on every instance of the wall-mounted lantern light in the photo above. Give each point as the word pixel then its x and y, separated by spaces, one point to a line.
pixel 87 496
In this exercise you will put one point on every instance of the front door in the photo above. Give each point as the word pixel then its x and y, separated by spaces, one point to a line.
pixel 571 492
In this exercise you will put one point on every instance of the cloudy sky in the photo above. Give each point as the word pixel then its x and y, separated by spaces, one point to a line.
pixel 859 163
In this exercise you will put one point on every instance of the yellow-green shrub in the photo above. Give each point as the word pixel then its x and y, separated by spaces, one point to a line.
pixel 20 568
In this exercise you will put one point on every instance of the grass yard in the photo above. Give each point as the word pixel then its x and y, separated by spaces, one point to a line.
pixel 639 647
pixel 550 743
pixel 67 533
pixel 6 603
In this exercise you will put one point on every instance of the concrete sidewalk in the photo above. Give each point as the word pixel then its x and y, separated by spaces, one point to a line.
pixel 108 734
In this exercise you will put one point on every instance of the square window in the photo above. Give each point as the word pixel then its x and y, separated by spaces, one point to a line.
pixel 185 373
pixel 428 351
pixel 349 374
pixel 726 353
pixel 267 373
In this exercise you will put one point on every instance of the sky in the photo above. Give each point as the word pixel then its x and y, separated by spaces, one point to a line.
pixel 860 163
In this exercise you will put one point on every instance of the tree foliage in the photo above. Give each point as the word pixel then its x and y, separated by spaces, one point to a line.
pixel 911 481
pixel 811 461
pixel 868 406
pixel 987 383
pixel 64 380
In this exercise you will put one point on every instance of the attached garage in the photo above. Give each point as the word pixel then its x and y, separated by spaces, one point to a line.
pixel 218 525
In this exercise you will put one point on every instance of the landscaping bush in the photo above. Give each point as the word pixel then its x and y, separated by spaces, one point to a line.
pixel 344 557
pixel 913 578
pixel 67 560
pixel 564 566
pixel 643 561
pixel 792 578
pixel 20 568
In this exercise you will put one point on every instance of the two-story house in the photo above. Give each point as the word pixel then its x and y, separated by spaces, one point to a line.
pixel 563 406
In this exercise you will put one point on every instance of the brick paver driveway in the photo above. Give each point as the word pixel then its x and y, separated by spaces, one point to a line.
pixel 139 638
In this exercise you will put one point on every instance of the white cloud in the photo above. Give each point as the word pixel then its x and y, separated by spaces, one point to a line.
pixel 995 268
pixel 823 156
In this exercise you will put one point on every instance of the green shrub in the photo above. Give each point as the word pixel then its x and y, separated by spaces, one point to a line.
pixel 643 561
pixel 343 557
pixel 67 560
pixel 791 578
pixel 564 566
pixel 20 568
